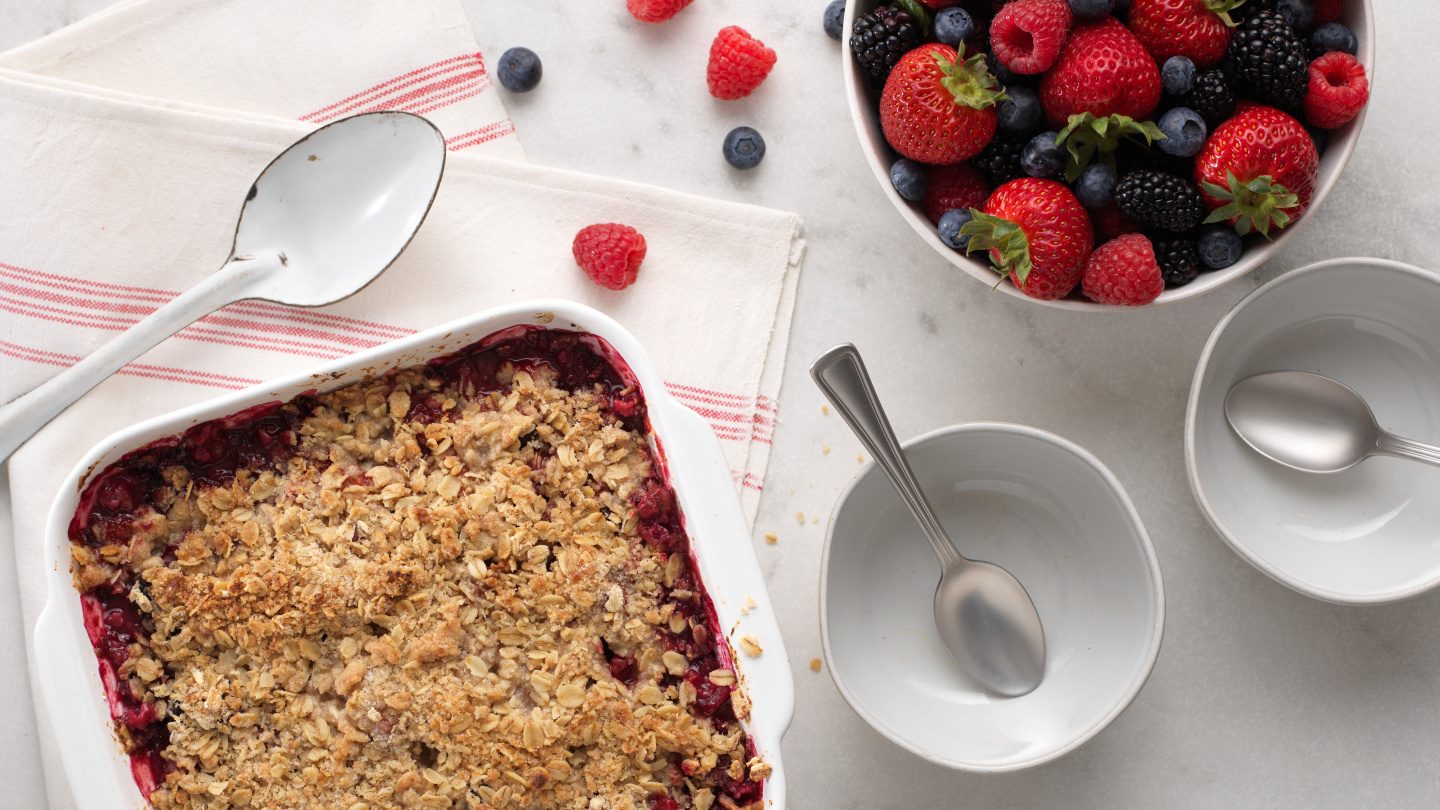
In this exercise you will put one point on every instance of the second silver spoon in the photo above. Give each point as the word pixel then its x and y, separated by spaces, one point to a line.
pixel 985 617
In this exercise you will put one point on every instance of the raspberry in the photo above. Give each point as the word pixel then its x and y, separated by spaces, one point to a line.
pixel 1338 90
pixel 1027 35
pixel 738 63
pixel 1123 271
pixel 951 187
pixel 609 253
pixel 1110 222
pixel 655 11
pixel 1328 11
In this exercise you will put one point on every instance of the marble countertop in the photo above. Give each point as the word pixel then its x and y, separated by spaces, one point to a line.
pixel 1261 697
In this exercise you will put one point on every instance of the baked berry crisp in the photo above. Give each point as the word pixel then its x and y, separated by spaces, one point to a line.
pixel 458 585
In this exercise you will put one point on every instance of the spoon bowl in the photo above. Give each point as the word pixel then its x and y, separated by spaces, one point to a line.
pixel 341 204
pixel 1312 423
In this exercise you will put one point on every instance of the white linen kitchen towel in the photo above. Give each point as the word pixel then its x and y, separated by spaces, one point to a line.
pixel 116 199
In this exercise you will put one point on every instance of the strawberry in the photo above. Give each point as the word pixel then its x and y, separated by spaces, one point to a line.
pixel 654 11
pixel 1199 29
pixel 1103 70
pixel 937 107
pixel 738 63
pixel 1027 35
pixel 1123 271
pixel 952 187
pixel 1257 170
pixel 1338 90
pixel 1037 233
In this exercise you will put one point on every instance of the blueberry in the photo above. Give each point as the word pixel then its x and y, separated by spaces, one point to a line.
pixel 1001 73
pixel 950 224
pixel 519 70
pixel 744 148
pixel 954 25
pixel 1178 75
pixel 910 179
pixel 1091 9
pixel 1220 246
pixel 1298 14
pixel 1096 185
pixel 1121 6
pixel 834 19
pixel 1184 132
pixel 1042 157
pixel 1021 112
pixel 1333 37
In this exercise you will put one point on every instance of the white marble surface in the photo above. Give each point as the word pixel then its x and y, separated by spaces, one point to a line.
pixel 1261 698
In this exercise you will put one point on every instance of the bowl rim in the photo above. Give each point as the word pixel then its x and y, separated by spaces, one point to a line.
pixel 1155 580
pixel 1342 147
pixel 1192 470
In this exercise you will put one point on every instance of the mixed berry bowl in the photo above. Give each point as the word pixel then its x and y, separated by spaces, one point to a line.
pixel 1115 168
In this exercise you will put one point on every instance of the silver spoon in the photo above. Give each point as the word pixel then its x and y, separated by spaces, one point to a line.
pixel 985 617
pixel 1312 423
pixel 320 222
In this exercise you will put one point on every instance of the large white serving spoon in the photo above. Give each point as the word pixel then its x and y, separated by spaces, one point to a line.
pixel 320 222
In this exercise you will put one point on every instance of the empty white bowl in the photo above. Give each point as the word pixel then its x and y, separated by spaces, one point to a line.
pixel 1368 534
pixel 863 96
pixel 1057 519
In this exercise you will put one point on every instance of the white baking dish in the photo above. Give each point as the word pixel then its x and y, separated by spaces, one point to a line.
pixel 99 772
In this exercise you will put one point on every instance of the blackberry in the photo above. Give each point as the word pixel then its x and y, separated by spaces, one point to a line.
pixel 1179 263
pixel 1212 97
pixel 1269 58
pixel 999 161
pixel 883 36
pixel 1160 200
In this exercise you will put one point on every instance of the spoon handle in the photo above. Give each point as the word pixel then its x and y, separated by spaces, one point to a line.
pixel 841 375
pixel 1393 445
pixel 25 415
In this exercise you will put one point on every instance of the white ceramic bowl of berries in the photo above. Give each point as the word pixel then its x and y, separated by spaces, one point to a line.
pixel 1084 154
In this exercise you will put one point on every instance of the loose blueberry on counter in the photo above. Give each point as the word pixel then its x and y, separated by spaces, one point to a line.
pixel 835 19
pixel 1298 14
pixel 1095 187
pixel 1219 246
pixel 1333 37
pixel 744 148
pixel 910 179
pixel 519 70
pixel 949 228
pixel 1091 9
pixel 1184 132
pixel 1178 75
pixel 1042 156
pixel 953 26
pixel 1020 113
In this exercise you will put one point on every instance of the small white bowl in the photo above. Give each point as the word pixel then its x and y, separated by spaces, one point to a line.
pixel 1056 518
pixel 1371 533
pixel 863 96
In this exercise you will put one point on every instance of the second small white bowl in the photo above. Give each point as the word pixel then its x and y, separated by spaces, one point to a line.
pixel 1368 534
pixel 1055 517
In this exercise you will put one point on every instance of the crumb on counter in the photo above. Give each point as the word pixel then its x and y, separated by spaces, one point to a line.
pixel 859 458
pixel 824 449
pixel 814 664
pixel 771 538
pixel 825 409
pixel 751 646
pixel 800 518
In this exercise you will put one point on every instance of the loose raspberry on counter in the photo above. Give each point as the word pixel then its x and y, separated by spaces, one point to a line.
pixel 609 253
pixel 738 63
pixel 1123 271
pixel 1338 90
pixel 655 11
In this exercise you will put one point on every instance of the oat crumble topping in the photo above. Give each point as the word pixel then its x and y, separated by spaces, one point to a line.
pixel 436 589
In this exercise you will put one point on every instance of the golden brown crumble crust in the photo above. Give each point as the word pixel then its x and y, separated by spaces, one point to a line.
pixel 375 625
